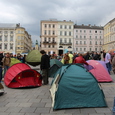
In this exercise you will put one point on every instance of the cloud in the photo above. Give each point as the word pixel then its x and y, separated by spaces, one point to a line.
pixel 29 13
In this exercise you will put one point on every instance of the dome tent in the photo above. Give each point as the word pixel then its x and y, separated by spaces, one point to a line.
pixel 14 61
pixel 74 87
pixel 99 71
pixel 21 75
pixel 33 58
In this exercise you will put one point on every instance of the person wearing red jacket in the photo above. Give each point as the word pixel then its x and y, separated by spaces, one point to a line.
pixel 80 59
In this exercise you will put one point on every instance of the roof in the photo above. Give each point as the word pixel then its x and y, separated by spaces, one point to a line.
pixel 9 25
pixel 88 27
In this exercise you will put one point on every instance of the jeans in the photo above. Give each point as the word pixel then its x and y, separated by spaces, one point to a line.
pixel 108 65
pixel 0 74
pixel 5 69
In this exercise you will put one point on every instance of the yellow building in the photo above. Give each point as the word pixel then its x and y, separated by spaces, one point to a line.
pixel 109 36
pixel 14 39
pixel 23 41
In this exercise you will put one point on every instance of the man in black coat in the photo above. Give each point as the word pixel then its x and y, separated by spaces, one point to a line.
pixel 44 66
pixel 1 65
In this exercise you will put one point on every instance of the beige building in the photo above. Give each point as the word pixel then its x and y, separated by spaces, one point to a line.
pixel 49 36
pixel 14 39
pixel 56 36
pixel 109 36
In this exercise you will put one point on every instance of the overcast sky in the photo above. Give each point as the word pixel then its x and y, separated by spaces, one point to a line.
pixel 29 13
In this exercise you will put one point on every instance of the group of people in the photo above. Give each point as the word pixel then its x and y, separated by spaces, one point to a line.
pixel 5 61
pixel 108 57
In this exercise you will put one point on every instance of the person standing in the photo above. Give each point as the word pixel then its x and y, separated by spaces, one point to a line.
pixel 108 61
pixel 44 66
pixel 1 65
pixel 6 62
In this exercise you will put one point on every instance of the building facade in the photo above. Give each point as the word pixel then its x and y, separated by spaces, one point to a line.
pixel 109 36
pixel 88 38
pixel 56 36
pixel 14 39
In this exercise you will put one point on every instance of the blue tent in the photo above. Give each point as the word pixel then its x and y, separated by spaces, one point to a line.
pixel 74 87
pixel 54 66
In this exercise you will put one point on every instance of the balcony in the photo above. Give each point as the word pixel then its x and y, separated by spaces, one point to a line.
pixel 49 42
pixel 63 43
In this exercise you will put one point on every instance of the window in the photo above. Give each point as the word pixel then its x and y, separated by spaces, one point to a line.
pixel 76 36
pixel 100 31
pixel 77 42
pixel 90 49
pixel 5 38
pixel 69 40
pixel 0 32
pixel 52 46
pixel 76 30
pixel 69 33
pixel 90 31
pixel 11 38
pixel 5 46
pixel 95 37
pixel 96 43
pixel 19 37
pixel 53 26
pixel 0 38
pixel 18 48
pixel 69 27
pixel 44 39
pixel 53 32
pixel 65 33
pixel 84 42
pixel 60 33
pixel 49 46
pixel 60 40
pixel 5 32
pixel 84 37
pixel 80 37
pixel 49 32
pixel 65 40
pixel 95 49
pixel 90 37
pixel 11 46
pixel 80 49
pixel 95 31
pixel 45 32
pixel 90 43
pixel 49 25
pixel 100 43
pixel 76 49
pixel 84 49
pixel 84 31
pixel 45 25
pixel 49 39
pixel 0 46
pixel 65 27
pixel 100 37
pixel 61 26
pixel 80 42
pixel 80 31
pixel 11 32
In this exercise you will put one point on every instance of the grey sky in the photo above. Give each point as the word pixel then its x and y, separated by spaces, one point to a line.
pixel 29 13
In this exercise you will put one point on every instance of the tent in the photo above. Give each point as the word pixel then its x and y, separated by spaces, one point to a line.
pixel 1 89
pixel 14 61
pixel 21 75
pixel 74 87
pixel 33 58
pixel 99 71
pixel 54 66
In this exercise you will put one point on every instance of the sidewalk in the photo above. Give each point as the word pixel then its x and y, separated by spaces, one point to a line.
pixel 37 101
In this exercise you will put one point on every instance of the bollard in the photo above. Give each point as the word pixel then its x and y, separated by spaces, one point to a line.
pixel 113 107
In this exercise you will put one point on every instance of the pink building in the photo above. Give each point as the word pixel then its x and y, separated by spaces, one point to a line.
pixel 88 38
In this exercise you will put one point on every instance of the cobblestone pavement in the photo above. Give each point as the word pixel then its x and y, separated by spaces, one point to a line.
pixel 37 101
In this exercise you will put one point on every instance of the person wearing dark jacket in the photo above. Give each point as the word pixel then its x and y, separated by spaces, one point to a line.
pixel 1 65
pixel 44 66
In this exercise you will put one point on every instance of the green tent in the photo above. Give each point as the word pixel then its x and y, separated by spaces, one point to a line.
pixel 14 61
pixel 34 57
pixel 54 66
pixel 74 87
